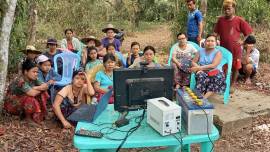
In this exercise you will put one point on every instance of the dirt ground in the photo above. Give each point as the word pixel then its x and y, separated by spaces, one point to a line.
pixel 22 136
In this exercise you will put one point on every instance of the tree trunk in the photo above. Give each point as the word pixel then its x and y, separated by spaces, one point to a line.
pixel 135 17
pixel 204 12
pixel 32 24
pixel 4 43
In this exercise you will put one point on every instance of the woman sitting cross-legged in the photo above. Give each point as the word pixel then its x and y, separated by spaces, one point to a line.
pixel 210 77
pixel 104 78
pixel 72 96
pixel 147 58
pixel 26 95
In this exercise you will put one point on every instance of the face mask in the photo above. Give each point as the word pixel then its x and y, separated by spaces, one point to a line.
pixel 182 42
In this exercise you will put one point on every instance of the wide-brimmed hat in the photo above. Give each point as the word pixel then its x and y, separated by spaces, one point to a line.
pixel 87 39
pixel 110 27
pixel 32 49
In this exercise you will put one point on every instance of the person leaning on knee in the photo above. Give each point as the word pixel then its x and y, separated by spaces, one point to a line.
pixel 250 59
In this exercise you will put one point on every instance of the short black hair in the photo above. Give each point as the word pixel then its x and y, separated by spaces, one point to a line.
pixel 89 49
pixel 194 1
pixel 135 43
pixel 180 34
pixel 149 47
pixel 109 56
pixel 250 40
pixel 211 35
pixel 69 29
pixel 28 65
pixel 110 44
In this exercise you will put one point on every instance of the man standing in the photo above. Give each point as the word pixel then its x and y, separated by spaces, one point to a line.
pixel 229 27
pixel 194 23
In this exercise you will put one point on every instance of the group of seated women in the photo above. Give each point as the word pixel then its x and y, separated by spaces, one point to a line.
pixel 28 94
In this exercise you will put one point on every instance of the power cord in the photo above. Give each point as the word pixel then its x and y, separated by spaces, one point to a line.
pixel 207 127
pixel 131 130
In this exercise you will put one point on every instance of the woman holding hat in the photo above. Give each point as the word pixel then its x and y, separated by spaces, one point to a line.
pixel 110 32
pixel 90 41
pixel 26 95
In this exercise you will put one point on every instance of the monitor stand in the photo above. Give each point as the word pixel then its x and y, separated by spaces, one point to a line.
pixel 122 121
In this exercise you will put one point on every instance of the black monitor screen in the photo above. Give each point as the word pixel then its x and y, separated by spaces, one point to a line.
pixel 132 87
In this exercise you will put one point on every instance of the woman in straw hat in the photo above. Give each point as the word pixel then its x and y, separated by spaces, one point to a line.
pixel 110 33
pixel 31 52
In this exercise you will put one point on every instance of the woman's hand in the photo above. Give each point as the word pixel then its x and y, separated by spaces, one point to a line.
pixel 67 125
pixel 195 69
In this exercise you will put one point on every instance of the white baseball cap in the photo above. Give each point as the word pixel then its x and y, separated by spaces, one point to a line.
pixel 42 58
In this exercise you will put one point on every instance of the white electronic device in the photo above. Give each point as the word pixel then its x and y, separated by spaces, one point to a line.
pixel 164 115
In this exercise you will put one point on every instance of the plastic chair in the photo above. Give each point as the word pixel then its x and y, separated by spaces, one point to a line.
pixel 71 62
pixel 197 47
pixel 226 59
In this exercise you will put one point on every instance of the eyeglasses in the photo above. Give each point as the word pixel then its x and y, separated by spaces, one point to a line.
pixel 181 38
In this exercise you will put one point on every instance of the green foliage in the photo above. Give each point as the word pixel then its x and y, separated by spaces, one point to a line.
pixel 3 6
pixel 18 35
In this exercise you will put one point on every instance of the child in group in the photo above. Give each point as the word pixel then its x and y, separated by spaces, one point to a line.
pixel 91 58
pixel 120 61
pixel 133 53
pixel 148 59
pixel 47 75
pixel 250 59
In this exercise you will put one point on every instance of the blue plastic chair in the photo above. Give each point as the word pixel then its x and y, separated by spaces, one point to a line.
pixel 71 62
pixel 226 59
pixel 197 47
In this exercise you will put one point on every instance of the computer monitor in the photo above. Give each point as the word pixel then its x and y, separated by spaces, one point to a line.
pixel 132 87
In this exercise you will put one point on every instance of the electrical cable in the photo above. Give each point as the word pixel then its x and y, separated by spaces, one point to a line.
pixel 132 130
pixel 207 127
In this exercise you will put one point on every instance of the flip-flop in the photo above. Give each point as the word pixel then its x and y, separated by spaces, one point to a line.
pixel 2 131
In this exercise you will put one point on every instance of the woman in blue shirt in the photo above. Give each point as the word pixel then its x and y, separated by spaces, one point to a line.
pixel 104 78
pixel 210 77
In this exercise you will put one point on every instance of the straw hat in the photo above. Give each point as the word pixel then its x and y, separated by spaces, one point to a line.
pixel 87 39
pixel 110 27
pixel 32 49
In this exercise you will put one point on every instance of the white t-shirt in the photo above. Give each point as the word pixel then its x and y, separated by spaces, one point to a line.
pixel 189 51
pixel 254 57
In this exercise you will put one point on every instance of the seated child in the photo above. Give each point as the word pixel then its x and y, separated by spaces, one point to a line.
pixel 72 96
pixel 147 58
pixel 91 58
pixel 120 61
pixel 46 74
pixel 250 59
pixel 133 53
